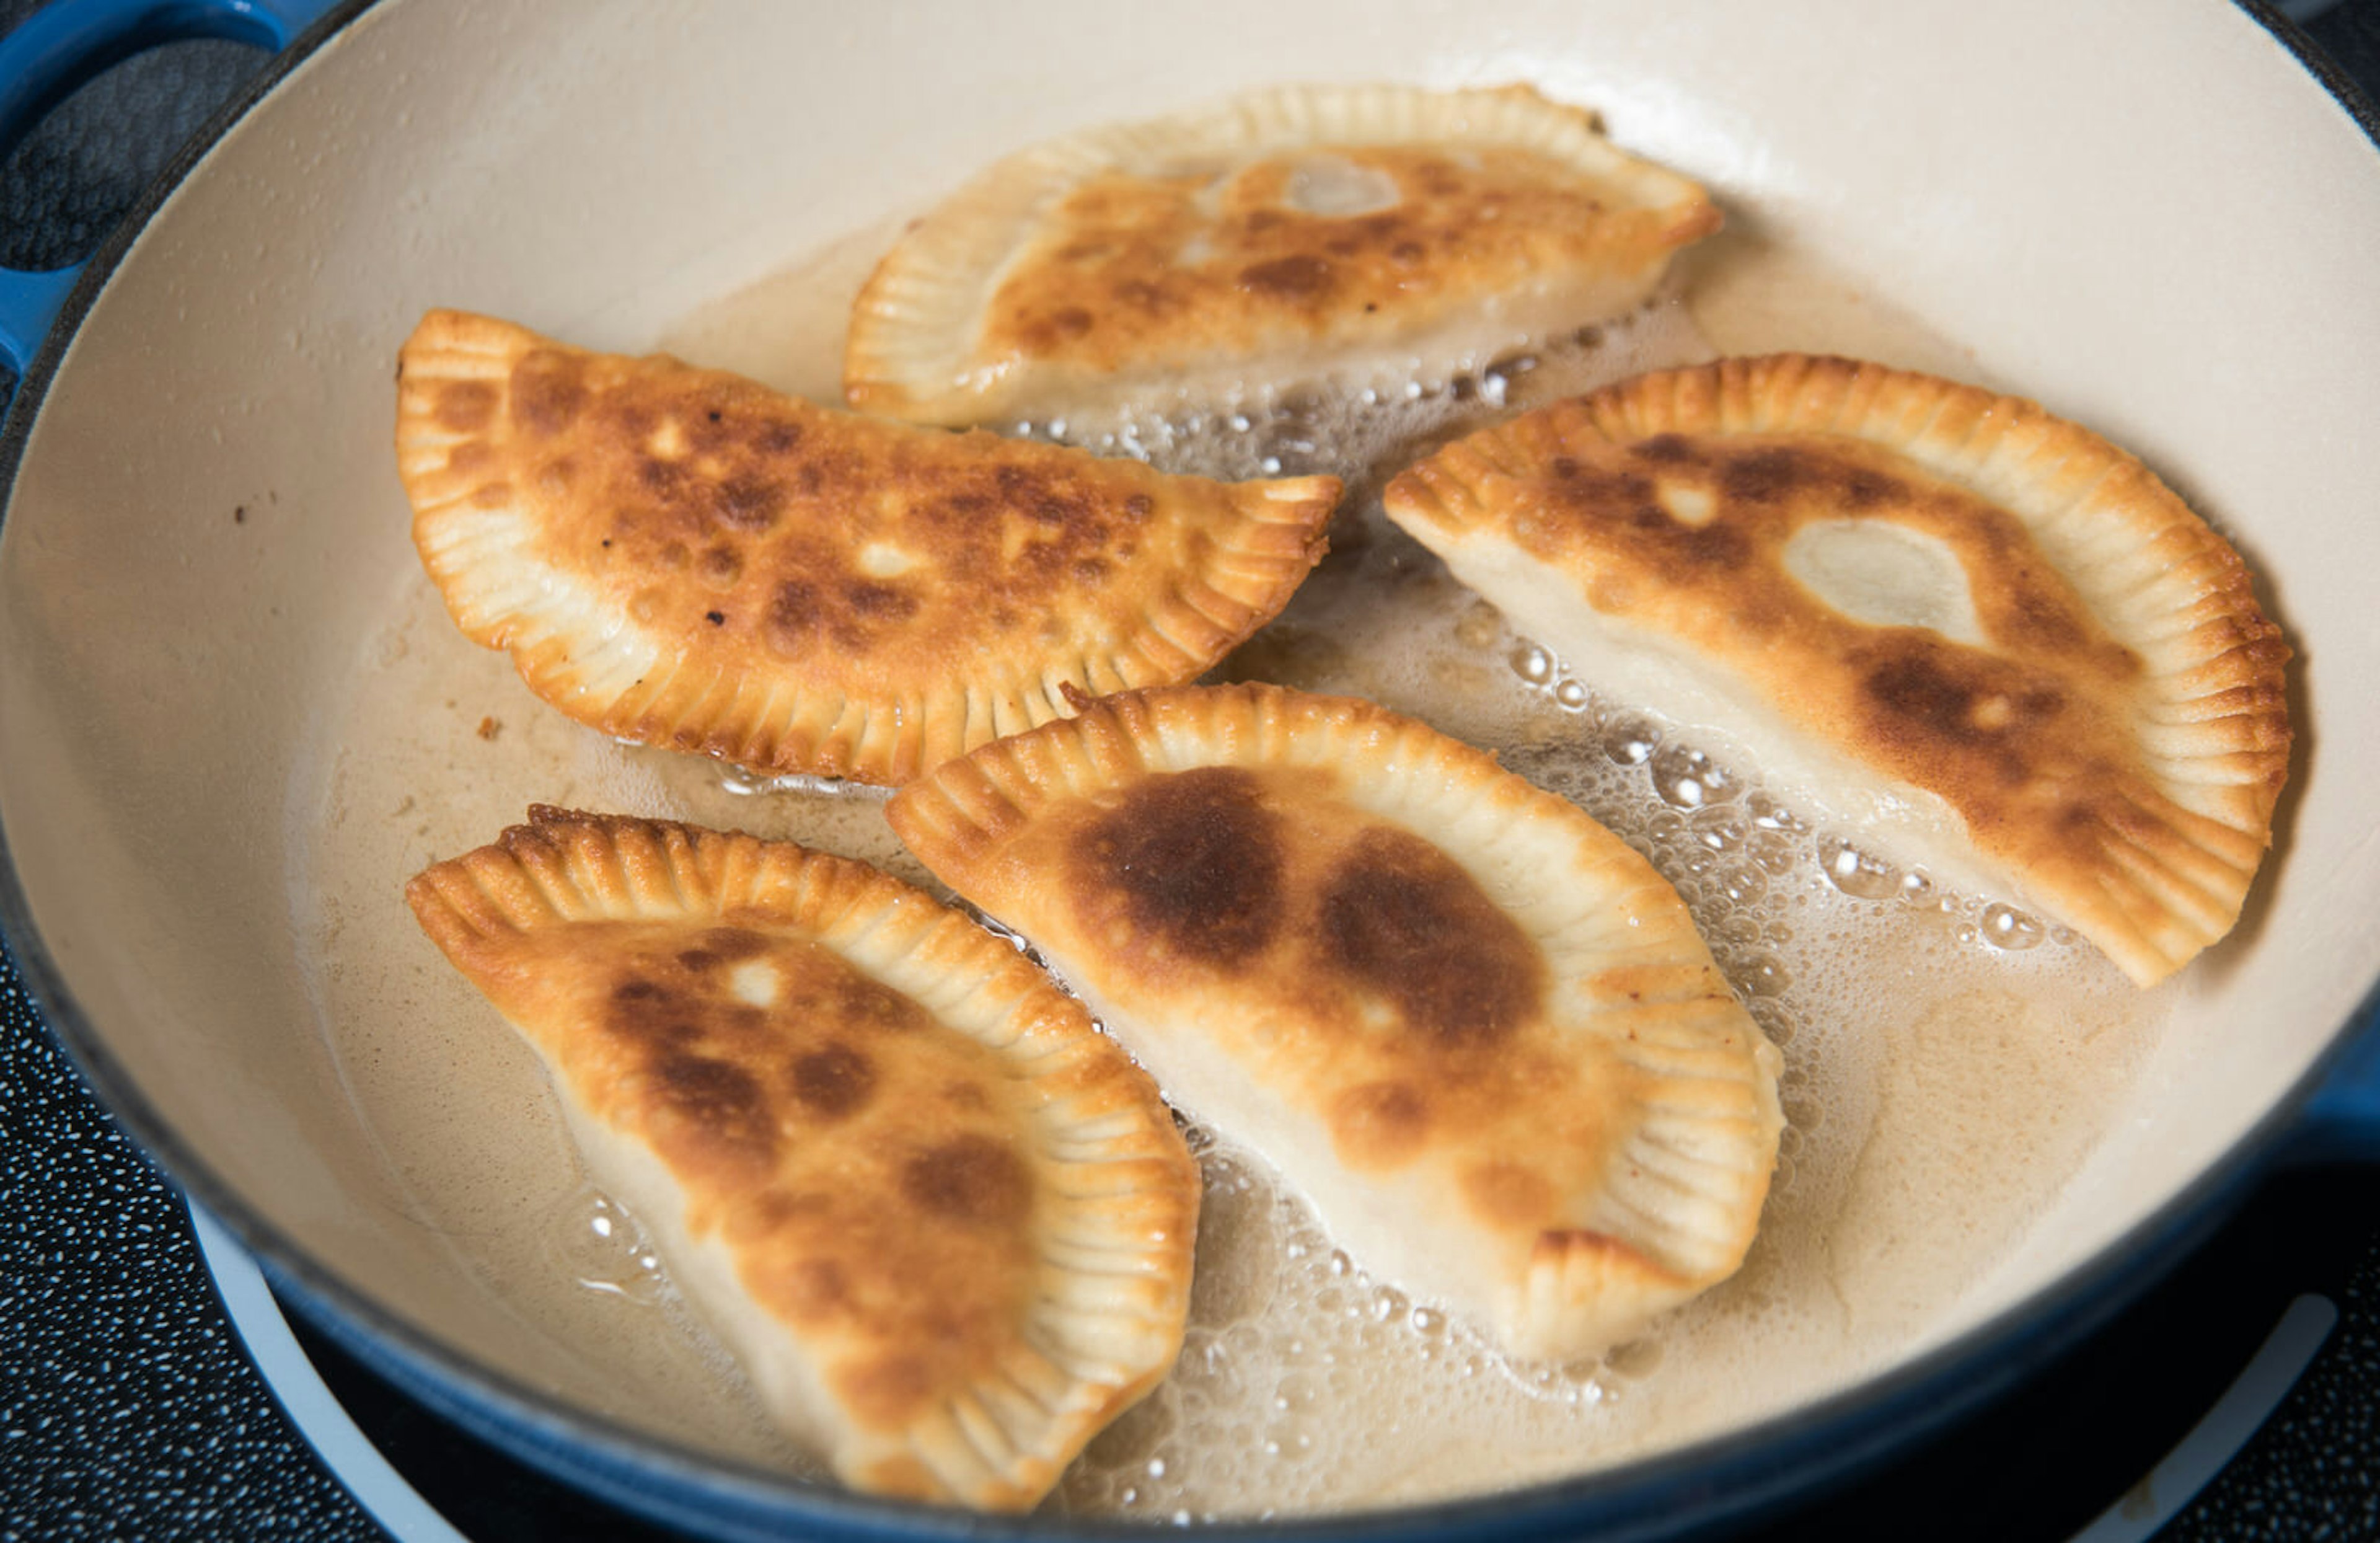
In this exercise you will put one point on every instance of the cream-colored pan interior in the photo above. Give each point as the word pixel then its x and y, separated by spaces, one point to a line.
pixel 222 675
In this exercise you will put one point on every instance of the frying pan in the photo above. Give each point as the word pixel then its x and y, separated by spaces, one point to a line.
pixel 2150 217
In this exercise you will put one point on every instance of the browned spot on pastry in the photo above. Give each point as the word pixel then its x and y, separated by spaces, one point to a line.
pixel 1863 488
pixel 2034 717
pixel 834 1082
pixel 877 1193
pixel 720 566
pixel 797 619
pixel 1980 725
pixel 1380 1124
pixel 1402 918
pixel 734 942
pixel 885 1391
pixel 1922 691
pixel 1051 501
pixel 1765 475
pixel 1143 294
pixel 1301 277
pixel 871 598
pixel 866 1003
pixel 747 502
pixel 1116 284
pixel 2040 623
pixel 1192 861
pixel 801 564
pixel 970 1178
pixel 646 1012
pixel 816 611
pixel 815 1288
pixel 1508 1194
pixel 465 406
pixel 717 1106
pixel 1926 692
pixel 1714 546
pixel 548 391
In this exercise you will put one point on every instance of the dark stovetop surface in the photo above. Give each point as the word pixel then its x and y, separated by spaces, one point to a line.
pixel 130 1407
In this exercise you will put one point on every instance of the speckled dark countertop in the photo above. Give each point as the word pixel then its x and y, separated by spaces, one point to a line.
pixel 130 1409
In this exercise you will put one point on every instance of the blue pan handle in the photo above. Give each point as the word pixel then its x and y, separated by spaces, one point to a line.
pixel 2340 1122
pixel 66 43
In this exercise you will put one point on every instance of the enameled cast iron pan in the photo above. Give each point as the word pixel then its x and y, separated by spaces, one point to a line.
pixel 2152 218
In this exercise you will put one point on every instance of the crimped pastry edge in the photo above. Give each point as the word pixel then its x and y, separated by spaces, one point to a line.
pixel 565 866
pixel 2216 728
pixel 1583 1288
pixel 477 536
pixel 908 347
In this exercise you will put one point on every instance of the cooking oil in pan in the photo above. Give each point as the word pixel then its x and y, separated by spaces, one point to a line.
pixel 1949 1059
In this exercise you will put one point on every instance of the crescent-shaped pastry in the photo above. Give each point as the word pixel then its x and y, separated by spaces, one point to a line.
pixel 686 558
pixel 1359 234
pixel 945 1223
pixel 1978 634
pixel 1479 1032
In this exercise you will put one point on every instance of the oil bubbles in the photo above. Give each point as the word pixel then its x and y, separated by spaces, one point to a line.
pixel 599 1246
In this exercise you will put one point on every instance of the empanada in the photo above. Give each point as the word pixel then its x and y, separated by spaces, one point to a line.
pixel 1976 633
pixel 1479 1032
pixel 1359 234
pixel 688 559
pixel 946 1224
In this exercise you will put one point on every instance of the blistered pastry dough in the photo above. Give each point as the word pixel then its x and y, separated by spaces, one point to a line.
pixel 689 559
pixel 1479 1032
pixel 946 1224
pixel 1973 632
pixel 1359 234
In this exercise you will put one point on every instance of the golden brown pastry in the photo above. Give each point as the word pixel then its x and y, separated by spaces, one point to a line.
pixel 1363 235
pixel 686 558
pixel 945 1223
pixel 1978 634
pixel 1477 1031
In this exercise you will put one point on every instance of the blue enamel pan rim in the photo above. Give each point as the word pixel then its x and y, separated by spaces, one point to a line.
pixel 1707 1488
pixel 61 46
